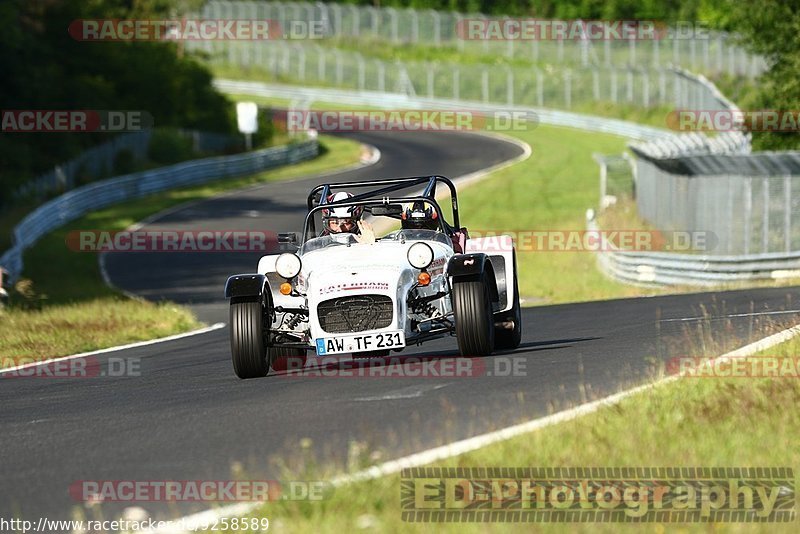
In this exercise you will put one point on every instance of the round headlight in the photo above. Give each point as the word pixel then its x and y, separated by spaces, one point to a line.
pixel 288 265
pixel 420 255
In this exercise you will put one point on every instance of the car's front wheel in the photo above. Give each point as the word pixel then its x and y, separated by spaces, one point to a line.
pixel 472 306
pixel 248 351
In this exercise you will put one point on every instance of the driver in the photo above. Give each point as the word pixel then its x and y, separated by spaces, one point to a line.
pixel 341 219
pixel 418 217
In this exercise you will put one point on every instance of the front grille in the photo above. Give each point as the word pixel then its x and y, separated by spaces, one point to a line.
pixel 355 314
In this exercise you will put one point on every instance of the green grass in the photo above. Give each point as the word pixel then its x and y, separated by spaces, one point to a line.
pixel 551 190
pixel 59 330
pixel 715 422
pixel 62 289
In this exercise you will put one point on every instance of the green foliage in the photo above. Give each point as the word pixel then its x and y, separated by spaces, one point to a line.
pixel 772 30
pixel 661 10
pixel 124 162
pixel 266 130
pixel 45 68
pixel 168 146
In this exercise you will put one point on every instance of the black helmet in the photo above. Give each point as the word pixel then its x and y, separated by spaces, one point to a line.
pixel 420 217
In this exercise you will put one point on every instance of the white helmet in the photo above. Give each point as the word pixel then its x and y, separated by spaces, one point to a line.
pixel 341 219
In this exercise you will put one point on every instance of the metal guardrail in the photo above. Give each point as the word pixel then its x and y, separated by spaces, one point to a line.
pixel 77 202
pixel 702 95
pixel 99 159
pixel 303 96
pixel 557 87
pixel 669 268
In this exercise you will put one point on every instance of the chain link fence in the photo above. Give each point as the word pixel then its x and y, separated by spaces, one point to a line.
pixel 746 213
pixel 688 46
pixel 314 65
pixel 750 202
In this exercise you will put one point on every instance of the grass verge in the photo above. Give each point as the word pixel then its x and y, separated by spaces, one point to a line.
pixel 691 422
pixel 62 305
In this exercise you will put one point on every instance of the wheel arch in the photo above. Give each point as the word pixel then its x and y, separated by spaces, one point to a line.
pixel 471 267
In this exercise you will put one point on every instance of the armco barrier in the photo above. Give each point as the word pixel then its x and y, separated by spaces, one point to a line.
pixel 669 268
pixel 77 202
pixel 389 100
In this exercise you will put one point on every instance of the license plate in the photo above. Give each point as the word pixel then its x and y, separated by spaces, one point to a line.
pixel 360 343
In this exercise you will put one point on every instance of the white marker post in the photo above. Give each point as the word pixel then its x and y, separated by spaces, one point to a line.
pixel 247 119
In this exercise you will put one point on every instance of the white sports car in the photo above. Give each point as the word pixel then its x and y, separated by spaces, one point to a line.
pixel 350 292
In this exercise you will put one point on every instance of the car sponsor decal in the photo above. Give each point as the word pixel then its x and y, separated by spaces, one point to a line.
pixel 350 286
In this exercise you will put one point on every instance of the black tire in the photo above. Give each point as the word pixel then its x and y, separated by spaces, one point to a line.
pixel 248 351
pixel 510 339
pixel 472 307
pixel 283 358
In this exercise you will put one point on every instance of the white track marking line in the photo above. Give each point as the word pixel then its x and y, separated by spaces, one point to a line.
pixel 464 446
pixel 412 392
pixel 215 326
pixel 754 314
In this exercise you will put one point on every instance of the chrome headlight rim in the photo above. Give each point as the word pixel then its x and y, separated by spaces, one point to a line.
pixel 288 265
pixel 420 255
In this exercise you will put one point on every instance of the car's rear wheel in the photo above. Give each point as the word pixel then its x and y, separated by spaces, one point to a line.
pixel 286 359
pixel 472 307
pixel 505 338
pixel 248 351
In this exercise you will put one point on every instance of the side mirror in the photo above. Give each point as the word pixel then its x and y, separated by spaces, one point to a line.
pixel 287 242
pixel 289 238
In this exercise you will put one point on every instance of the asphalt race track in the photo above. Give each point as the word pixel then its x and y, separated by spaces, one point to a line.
pixel 187 417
